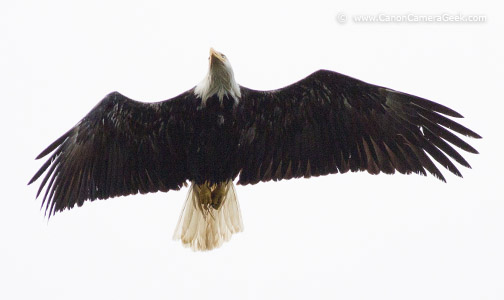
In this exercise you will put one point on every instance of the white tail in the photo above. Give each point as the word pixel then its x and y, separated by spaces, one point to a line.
pixel 203 227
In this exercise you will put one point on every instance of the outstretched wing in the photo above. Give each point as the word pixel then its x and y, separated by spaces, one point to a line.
pixel 330 123
pixel 120 147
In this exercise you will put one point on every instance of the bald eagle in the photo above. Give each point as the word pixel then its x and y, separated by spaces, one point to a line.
pixel 326 123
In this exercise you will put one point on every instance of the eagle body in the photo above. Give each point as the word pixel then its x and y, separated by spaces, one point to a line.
pixel 219 131
pixel 213 145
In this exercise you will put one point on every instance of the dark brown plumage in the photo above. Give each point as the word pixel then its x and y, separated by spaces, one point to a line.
pixel 331 123
pixel 324 124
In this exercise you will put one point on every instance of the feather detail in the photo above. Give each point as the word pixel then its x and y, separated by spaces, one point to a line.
pixel 204 228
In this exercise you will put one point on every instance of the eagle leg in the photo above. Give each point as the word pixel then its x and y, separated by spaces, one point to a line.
pixel 204 197
pixel 219 192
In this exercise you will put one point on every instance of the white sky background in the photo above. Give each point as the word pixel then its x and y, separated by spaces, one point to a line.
pixel 352 236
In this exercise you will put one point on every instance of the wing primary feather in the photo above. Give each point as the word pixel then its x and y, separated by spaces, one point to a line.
pixel 55 144
pixel 427 162
pixel 55 163
pixel 427 104
pixel 439 119
pixel 40 172
pixel 445 147
pixel 441 158
pixel 81 192
pixel 49 195
pixel 49 188
pixel 72 191
pixel 447 135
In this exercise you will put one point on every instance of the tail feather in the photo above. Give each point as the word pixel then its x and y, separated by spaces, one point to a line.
pixel 205 228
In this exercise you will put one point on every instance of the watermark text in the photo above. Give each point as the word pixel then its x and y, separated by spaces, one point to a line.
pixel 343 18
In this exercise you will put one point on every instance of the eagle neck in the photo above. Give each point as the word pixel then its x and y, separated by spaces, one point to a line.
pixel 219 84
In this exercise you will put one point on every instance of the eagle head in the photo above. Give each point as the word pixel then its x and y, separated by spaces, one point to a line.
pixel 219 79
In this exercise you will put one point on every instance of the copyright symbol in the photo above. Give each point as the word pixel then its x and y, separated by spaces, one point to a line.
pixel 341 18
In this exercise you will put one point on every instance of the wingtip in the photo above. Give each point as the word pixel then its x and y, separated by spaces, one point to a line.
pixel 476 136
pixel 452 113
pixel 57 143
pixel 32 180
pixel 429 104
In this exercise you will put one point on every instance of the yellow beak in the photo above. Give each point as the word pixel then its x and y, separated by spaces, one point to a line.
pixel 215 54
